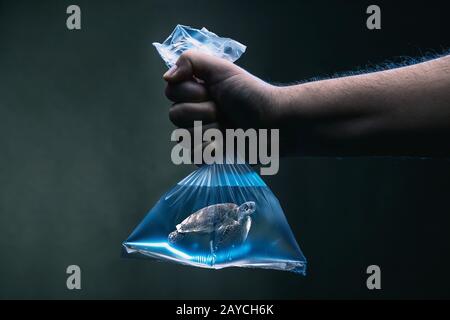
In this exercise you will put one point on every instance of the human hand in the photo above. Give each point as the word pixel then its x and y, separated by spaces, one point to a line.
pixel 216 91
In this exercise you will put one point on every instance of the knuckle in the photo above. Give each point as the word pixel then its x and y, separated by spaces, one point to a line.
pixel 173 115
pixel 188 54
pixel 176 114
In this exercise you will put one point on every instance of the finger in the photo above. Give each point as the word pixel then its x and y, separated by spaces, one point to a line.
pixel 184 114
pixel 212 125
pixel 191 143
pixel 186 91
pixel 203 66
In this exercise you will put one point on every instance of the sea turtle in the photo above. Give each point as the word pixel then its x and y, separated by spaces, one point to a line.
pixel 228 223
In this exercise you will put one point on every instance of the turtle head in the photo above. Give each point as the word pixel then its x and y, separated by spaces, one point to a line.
pixel 246 209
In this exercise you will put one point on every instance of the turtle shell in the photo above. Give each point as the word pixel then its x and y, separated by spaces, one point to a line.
pixel 208 219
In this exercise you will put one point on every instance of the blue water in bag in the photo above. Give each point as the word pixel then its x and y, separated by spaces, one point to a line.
pixel 236 222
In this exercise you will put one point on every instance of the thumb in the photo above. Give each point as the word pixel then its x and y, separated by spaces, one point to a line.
pixel 200 65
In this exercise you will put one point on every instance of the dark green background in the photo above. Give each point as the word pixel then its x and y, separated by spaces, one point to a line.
pixel 85 152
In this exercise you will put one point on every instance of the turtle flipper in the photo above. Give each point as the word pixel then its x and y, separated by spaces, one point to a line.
pixel 228 235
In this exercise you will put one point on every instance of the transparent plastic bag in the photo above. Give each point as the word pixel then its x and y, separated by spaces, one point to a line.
pixel 221 215
pixel 225 216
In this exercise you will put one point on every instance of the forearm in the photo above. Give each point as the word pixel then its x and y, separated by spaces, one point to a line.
pixel 403 111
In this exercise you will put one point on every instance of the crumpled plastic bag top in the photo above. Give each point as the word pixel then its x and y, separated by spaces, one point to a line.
pixel 184 38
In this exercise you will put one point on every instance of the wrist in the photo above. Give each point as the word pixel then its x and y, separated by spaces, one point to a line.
pixel 275 112
pixel 289 104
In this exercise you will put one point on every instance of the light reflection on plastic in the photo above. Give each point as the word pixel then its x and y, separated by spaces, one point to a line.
pixel 164 245
pixel 235 252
